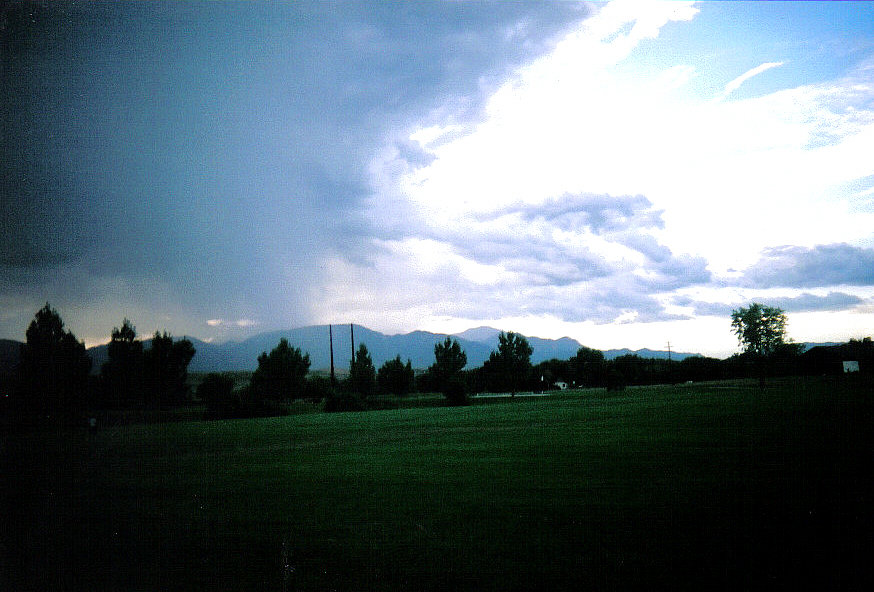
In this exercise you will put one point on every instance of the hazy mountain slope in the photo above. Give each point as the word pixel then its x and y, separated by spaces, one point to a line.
pixel 612 354
pixel 417 346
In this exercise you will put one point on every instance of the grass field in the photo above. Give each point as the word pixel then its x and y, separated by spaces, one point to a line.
pixel 718 486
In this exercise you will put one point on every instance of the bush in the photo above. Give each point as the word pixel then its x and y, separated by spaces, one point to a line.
pixel 222 402
pixel 318 387
pixel 216 390
pixel 343 402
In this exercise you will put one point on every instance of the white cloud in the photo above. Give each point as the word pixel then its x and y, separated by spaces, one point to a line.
pixel 735 84
pixel 728 179
pixel 241 323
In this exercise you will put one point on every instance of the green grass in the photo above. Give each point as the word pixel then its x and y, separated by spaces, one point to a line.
pixel 717 486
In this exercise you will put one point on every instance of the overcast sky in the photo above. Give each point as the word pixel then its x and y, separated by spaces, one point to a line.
pixel 624 173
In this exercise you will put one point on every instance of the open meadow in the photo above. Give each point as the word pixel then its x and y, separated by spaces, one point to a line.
pixel 715 486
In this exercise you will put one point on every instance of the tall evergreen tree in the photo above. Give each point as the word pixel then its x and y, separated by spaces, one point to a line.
pixel 122 373
pixel 396 378
pixel 281 374
pixel 53 374
pixel 362 374
pixel 165 369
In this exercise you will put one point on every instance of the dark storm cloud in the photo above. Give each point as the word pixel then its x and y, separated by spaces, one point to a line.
pixel 820 266
pixel 219 147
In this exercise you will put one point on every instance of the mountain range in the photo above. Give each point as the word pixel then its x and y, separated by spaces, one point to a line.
pixel 418 347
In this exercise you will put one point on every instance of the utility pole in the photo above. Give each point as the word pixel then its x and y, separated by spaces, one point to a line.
pixel 352 333
pixel 331 341
pixel 670 369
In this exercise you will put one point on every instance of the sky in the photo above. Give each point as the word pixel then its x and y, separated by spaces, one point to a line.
pixel 623 173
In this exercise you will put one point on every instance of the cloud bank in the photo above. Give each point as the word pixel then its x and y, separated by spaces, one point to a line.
pixel 177 163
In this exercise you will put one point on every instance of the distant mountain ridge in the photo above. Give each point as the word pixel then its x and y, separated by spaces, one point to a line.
pixel 417 346
pixel 612 354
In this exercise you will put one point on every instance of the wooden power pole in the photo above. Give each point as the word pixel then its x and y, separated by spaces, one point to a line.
pixel 331 341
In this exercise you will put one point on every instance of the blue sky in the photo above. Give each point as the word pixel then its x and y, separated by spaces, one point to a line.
pixel 622 173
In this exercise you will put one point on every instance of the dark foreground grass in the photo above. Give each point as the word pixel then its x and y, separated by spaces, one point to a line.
pixel 694 487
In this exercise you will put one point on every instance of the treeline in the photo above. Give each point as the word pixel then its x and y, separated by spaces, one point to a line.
pixel 53 378
pixel 508 370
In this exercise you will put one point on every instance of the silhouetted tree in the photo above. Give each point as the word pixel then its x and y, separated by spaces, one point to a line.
pixel 510 366
pixel 395 377
pixel 217 393
pixel 281 375
pixel 545 374
pixel 588 368
pixel 633 369
pixel 53 373
pixel 122 373
pixel 698 368
pixel 449 360
pixel 615 381
pixel 362 374
pixel 785 359
pixel 761 330
pixel 165 369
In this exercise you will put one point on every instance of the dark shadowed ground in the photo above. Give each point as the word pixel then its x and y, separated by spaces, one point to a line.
pixel 718 486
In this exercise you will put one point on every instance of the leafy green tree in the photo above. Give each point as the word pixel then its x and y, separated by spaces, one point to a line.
pixel 760 329
pixel 395 377
pixel 449 360
pixel 362 374
pixel 166 369
pixel 281 375
pixel 510 366
pixel 122 373
pixel 53 373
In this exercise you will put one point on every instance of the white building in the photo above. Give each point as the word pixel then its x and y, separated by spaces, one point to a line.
pixel 852 366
